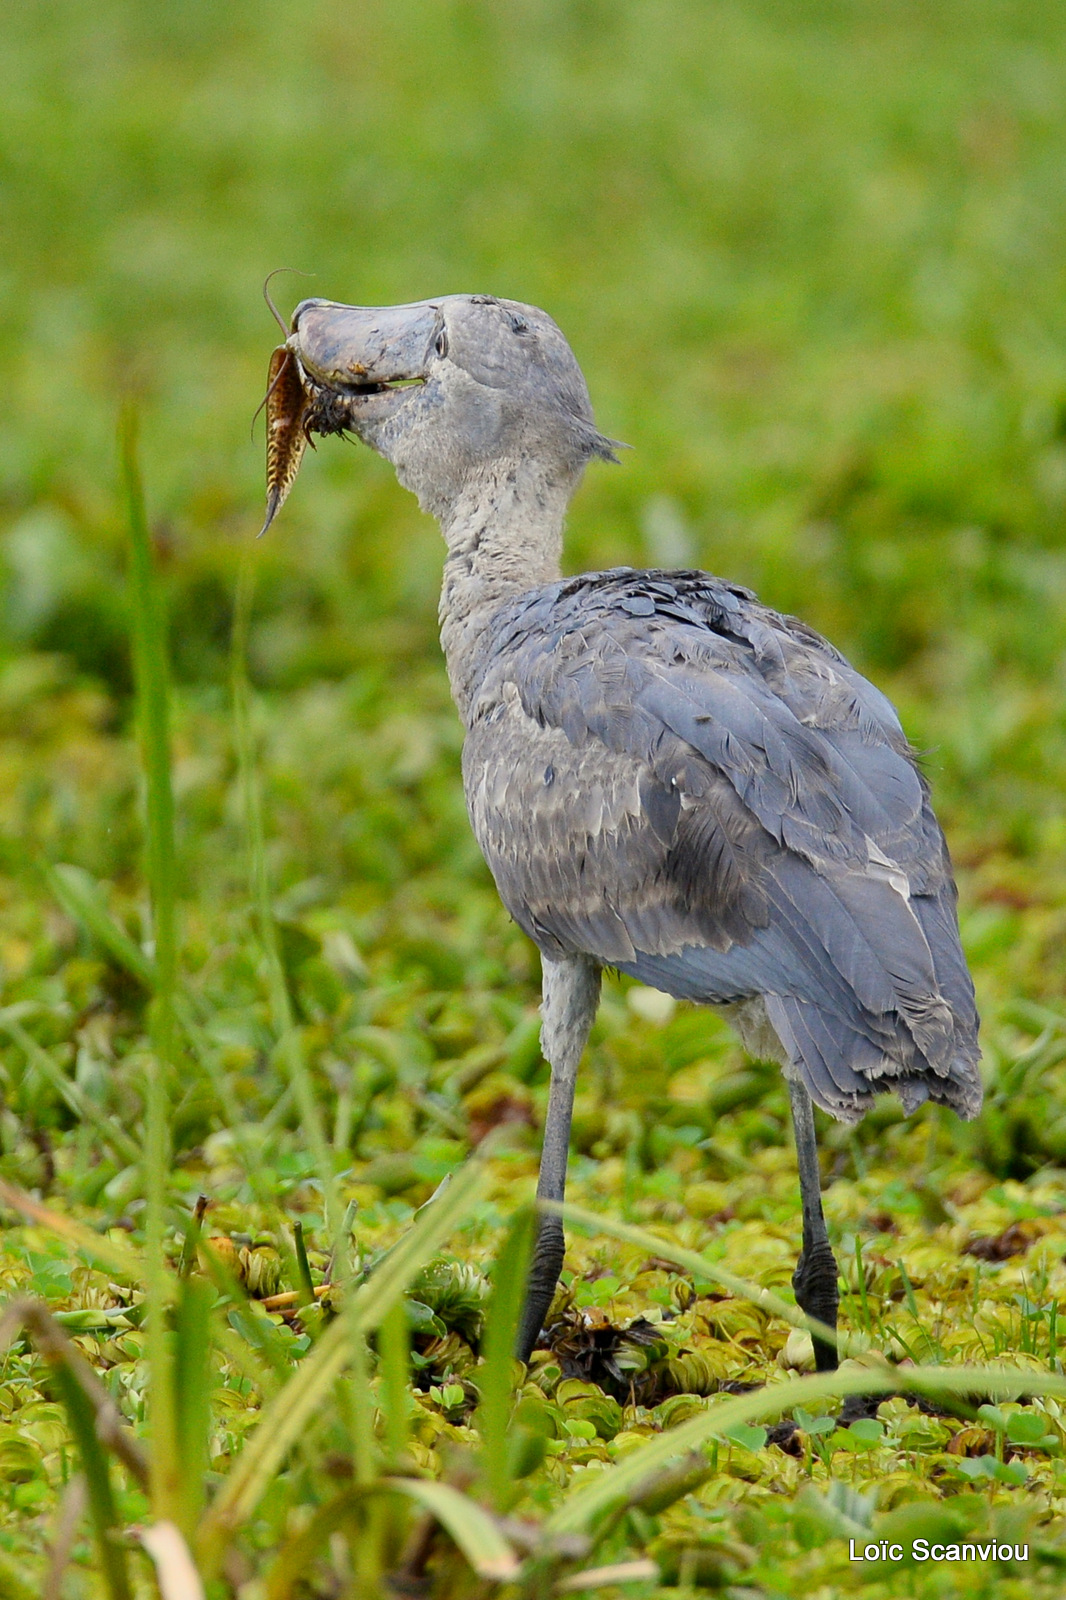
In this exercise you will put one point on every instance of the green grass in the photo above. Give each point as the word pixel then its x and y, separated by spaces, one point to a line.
pixel 810 258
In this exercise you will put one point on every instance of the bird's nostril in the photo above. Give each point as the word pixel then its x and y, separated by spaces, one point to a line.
pixel 298 311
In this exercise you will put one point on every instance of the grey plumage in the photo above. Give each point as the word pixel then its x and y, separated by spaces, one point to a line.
pixel 664 776
pixel 671 778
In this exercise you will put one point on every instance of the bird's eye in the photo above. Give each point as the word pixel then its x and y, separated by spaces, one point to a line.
pixel 440 343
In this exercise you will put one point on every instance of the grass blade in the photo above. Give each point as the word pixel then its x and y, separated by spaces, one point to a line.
pixel 290 1046
pixel 153 715
pixel 644 1571
pixel 298 1554
pixel 115 1256
pixel 82 900
pixel 62 1537
pixel 192 1394
pixel 192 1236
pixel 175 1573
pixel 394 1347
pixel 249 1315
pixel 306 1291
pixel 474 1531
pixel 386 1522
pixel 127 1149
pixel 97 1471
pixel 151 679
pixel 496 1375
pixel 291 1410
pixel 364 1449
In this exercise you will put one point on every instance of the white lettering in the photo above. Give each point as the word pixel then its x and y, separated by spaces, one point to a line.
pixel 922 1550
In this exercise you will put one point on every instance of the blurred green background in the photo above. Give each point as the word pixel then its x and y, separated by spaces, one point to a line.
pixel 811 254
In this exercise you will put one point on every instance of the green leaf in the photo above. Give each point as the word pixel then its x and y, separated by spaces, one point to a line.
pixel 977 1467
pixel 750 1438
pixel 580 1428
pixel 91 1319
pixel 935 1520
pixel 839 1510
pixel 421 1320
pixel 817 1426
pixel 1026 1427
pixel 20 1459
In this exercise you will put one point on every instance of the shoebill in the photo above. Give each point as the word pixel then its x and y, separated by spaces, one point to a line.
pixel 665 776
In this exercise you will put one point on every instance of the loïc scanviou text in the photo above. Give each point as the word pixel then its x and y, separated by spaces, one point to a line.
pixel 927 1550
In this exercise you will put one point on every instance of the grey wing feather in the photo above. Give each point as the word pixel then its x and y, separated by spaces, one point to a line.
pixel 668 777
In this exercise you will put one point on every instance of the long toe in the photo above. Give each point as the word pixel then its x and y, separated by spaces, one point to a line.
pixel 815 1284
pixel 544 1270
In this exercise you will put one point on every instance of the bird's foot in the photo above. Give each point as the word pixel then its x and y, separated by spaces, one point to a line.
pixel 815 1284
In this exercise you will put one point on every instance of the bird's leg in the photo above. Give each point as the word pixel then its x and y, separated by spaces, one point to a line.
pixel 571 995
pixel 815 1277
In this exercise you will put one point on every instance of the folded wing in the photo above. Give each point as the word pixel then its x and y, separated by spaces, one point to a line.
pixel 668 777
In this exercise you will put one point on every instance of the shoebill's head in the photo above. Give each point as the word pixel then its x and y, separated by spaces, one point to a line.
pixel 455 392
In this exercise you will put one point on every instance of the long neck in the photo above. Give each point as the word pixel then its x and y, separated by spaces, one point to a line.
pixel 504 537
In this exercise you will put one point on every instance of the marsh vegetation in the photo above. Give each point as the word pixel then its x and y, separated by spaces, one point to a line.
pixel 810 258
